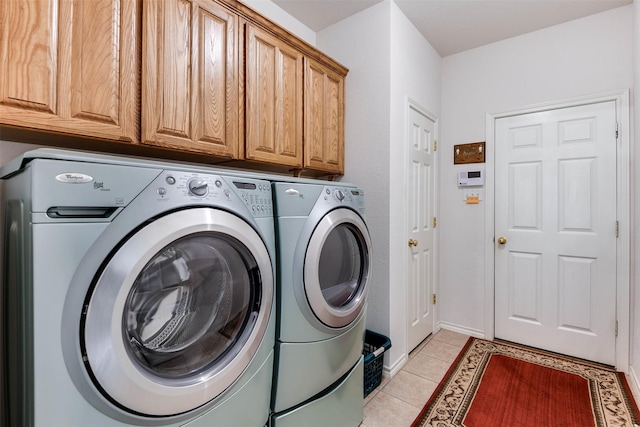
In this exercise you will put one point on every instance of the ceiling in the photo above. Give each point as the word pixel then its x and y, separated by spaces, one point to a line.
pixel 453 26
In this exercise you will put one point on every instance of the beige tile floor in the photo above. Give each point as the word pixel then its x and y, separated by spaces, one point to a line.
pixel 397 402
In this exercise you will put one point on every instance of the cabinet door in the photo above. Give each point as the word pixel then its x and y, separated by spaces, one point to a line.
pixel 70 66
pixel 190 69
pixel 324 118
pixel 274 84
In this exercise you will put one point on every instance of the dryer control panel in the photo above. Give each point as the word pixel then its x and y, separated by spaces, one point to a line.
pixel 351 196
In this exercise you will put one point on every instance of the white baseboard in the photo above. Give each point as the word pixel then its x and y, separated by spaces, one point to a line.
pixel 460 329
pixel 391 371
pixel 634 383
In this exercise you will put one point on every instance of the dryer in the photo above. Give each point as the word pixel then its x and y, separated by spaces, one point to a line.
pixel 324 269
pixel 136 292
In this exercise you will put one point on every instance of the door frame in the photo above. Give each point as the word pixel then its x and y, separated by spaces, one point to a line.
pixel 623 158
pixel 409 104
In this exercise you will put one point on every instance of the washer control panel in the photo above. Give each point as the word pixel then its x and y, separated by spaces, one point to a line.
pixel 209 188
pixel 198 187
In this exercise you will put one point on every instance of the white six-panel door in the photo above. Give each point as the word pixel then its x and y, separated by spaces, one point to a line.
pixel 555 208
pixel 420 240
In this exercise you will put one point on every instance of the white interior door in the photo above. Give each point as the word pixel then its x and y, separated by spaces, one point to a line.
pixel 555 208
pixel 421 234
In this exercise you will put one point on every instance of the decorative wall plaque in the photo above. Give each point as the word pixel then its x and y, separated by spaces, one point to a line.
pixel 468 153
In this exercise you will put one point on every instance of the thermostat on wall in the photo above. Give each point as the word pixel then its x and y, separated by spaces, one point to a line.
pixel 471 178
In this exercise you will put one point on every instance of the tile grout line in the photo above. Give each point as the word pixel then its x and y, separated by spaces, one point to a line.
pixel 399 391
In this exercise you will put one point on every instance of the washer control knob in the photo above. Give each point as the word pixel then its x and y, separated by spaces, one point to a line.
pixel 198 187
pixel 339 195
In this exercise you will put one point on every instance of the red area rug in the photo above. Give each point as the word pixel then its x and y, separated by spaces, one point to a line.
pixel 499 384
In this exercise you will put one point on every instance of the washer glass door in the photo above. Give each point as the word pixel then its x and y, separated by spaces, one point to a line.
pixel 188 305
pixel 178 312
pixel 337 268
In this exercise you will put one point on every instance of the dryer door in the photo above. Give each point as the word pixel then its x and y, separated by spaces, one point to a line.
pixel 178 312
pixel 337 268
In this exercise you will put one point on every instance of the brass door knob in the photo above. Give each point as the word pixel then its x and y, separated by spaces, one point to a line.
pixel 502 240
pixel 413 242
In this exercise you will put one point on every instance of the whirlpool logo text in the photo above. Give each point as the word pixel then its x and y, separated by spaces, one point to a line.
pixel 74 178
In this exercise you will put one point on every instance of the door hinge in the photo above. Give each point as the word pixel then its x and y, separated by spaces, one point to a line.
pixel 435 222
pixel 435 145
pixel 433 298
pixel 617 133
pixel 617 229
pixel 616 329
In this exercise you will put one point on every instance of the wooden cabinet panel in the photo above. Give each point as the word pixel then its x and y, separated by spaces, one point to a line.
pixel 70 66
pixel 29 55
pixel 274 85
pixel 190 74
pixel 324 118
pixel 94 62
pixel 216 78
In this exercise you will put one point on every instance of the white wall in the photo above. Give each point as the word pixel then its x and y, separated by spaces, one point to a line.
pixel 362 43
pixel 587 56
pixel 389 61
pixel 635 191
pixel 10 150
pixel 278 15
pixel 415 75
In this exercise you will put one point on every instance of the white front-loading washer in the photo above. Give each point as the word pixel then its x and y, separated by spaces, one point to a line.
pixel 324 269
pixel 135 292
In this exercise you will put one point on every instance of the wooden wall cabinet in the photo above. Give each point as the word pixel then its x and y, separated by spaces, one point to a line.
pixel 294 105
pixel 209 77
pixel 190 75
pixel 70 66
pixel 274 83
pixel 324 118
